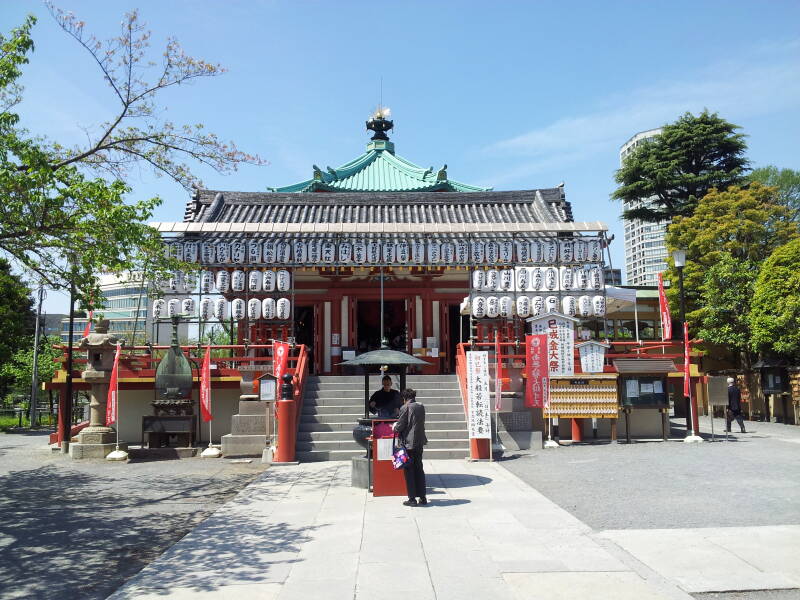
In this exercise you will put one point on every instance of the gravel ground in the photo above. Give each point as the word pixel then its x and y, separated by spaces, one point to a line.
pixel 79 529
pixel 753 479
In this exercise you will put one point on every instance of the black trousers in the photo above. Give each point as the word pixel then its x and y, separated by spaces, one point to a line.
pixel 730 415
pixel 415 474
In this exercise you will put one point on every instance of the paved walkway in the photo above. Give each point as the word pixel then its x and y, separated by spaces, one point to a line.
pixel 302 532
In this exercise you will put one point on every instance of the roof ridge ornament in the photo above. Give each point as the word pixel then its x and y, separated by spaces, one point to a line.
pixel 380 124
pixel 441 174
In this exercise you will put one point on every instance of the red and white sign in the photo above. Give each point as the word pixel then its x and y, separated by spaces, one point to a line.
pixel 687 388
pixel 479 421
pixel 537 393
pixel 205 386
pixel 560 330
pixel 113 392
pixel 498 375
pixel 280 360
pixel 663 306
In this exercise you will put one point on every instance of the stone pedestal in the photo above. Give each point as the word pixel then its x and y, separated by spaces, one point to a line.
pixel 249 428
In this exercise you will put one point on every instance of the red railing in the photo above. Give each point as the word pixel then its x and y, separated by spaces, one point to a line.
pixel 288 411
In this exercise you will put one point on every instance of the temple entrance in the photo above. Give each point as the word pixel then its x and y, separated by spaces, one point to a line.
pixel 368 318
pixel 459 332
pixel 304 330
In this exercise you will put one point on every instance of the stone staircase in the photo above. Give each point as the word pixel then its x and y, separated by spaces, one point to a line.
pixel 332 405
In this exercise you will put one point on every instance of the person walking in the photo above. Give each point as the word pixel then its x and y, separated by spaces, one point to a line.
pixel 410 427
pixel 734 406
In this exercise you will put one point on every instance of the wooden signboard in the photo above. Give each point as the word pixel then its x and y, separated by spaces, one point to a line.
pixel 593 396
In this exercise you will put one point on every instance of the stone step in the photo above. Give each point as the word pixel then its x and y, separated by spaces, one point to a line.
pixel 352 417
pixel 447 443
pixel 325 436
pixel 249 424
pixel 350 392
pixel 337 401
pixel 253 407
pixel 325 455
pixel 410 379
pixel 243 445
pixel 314 425
pixel 311 409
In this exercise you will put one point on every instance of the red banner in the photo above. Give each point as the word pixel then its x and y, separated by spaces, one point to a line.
pixel 537 392
pixel 113 392
pixel 205 386
pixel 88 327
pixel 280 360
pixel 687 389
pixel 663 306
pixel 498 375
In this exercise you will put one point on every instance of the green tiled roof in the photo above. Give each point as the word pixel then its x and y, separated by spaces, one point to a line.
pixel 380 170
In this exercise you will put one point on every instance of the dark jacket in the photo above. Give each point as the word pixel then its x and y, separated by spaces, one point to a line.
pixel 389 400
pixel 734 398
pixel 410 425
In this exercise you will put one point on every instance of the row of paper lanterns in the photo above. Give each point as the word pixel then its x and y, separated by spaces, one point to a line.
pixel 531 306
pixel 221 309
pixel 535 279
pixel 373 251
pixel 232 281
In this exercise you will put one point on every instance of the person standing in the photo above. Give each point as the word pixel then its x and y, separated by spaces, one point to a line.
pixel 385 401
pixel 410 427
pixel 734 406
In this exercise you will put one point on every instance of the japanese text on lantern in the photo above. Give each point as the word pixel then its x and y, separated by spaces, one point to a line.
pixel 478 392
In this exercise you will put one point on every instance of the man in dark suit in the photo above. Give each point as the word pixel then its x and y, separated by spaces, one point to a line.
pixel 734 406
pixel 410 427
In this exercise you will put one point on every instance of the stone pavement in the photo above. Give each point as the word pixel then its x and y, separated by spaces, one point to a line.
pixel 303 532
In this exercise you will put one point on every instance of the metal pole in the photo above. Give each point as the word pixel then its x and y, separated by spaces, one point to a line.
pixel 687 402
pixel 382 326
pixel 66 418
pixel 35 374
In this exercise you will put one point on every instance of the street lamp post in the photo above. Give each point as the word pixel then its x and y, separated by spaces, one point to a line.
pixel 679 259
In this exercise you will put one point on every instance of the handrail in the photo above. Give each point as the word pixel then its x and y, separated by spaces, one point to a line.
pixel 288 412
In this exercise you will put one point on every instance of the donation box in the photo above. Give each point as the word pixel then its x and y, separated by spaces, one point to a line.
pixel 386 481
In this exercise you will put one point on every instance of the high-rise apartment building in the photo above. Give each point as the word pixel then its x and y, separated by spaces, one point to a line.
pixel 645 248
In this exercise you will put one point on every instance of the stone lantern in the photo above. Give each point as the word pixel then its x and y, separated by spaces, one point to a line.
pixel 97 440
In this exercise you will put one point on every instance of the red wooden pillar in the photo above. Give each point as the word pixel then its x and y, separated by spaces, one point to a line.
pixel 427 317
pixel 479 448
pixel 577 433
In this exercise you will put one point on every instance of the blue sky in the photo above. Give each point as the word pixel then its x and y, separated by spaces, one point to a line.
pixel 515 95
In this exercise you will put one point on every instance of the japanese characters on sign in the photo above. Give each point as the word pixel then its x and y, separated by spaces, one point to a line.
pixel 537 383
pixel 593 355
pixel 560 343
pixel 479 423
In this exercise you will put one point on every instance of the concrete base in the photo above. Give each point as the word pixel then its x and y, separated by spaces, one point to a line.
pixel 551 444
pixel 267 455
pixel 79 451
pixel 693 439
pixel 211 452
pixel 359 473
pixel 243 445
pixel 97 435
pixel 521 440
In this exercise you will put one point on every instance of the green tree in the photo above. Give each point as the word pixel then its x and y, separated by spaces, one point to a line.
pixel 669 174
pixel 64 216
pixel 19 368
pixel 17 319
pixel 745 224
pixel 775 308
pixel 787 183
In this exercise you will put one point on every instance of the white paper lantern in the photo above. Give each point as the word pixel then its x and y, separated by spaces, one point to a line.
pixel 585 306
pixel 283 309
pixel 314 251
pixel 567 279
pixel 537 306
pixel 268 252
pixel 221 309
pixel 536 283
pixel 223 252
pixel 328 252
pixel 268 308
pixel 237 281
pixel 595 251
pixel 506 251
pixel 238 252
pixel 506 280
pixel 523 306
pixel 173 307
pixel 223 282
pixel 551 304
pixel 189 282
pixel 492 253
pixel 478 279
pixel 566 250
pixel 491 281
pixel 255 281
pixel 506 306
pixel 581 251
pixel 523 251
pixel 284 280
pixel 283 252
pixel 596 278
pixel 462 252
pixel 176 250
pixel 492 307
pixel 238 309
pixel 403 252
pixel 359 252
pixel 479 307
pixel 175 282
pixel 206 308
pixel 448 253
pixel 159 307
pixel 254 251
pixel 523 279
pixel 434 252
pixel 345 253
pixel 187 306
pixel 478 252
pixel 373 252
pixel 389 252
pixel 208 253
pixel 254 309
pixel 549 251
pixel 190 253
pixel 269 281
pixel 206 282
pixel 599 306
pixel 418 251
pixel 551 278
pixel 537 252
pixel 569 306
pixel 581 278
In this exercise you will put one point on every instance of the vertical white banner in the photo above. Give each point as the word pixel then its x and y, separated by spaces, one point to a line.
pixel 480 424
pixel 560 332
